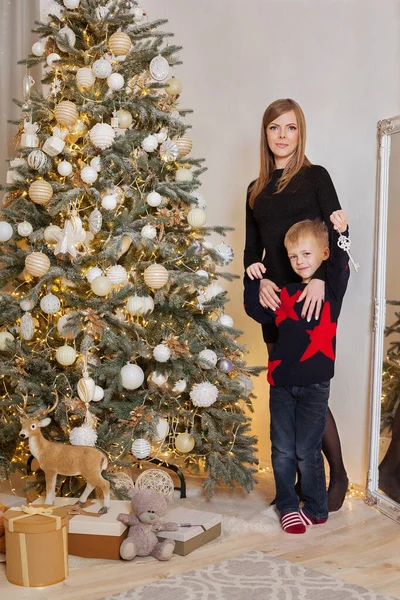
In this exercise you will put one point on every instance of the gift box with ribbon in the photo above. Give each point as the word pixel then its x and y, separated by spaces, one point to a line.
pixel 36 545
pixel 196 528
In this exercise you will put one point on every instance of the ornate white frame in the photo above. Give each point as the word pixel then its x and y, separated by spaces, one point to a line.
pixel 374 497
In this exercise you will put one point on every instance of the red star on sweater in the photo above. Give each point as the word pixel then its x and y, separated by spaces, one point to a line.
pixel 321 336
pixel 272 364
pixel 286 309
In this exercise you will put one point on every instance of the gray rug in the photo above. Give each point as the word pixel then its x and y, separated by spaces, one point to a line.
pixel 252 576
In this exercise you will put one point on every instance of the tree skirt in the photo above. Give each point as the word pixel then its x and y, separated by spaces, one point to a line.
pixel 253 575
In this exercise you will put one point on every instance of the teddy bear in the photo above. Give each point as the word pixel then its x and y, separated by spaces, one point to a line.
pixel 149 507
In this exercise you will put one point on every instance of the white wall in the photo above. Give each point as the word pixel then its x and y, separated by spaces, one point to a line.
pixel 340 60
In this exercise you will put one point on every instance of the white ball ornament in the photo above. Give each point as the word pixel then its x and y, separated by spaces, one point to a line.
pixel 86 388
pixel 155 276
pixel 225 321
pixel 196 217
pixel 148 232
pixel 101 286
pixel 246 383
pixel 168 151
pixel 203 394
pixel 162 428
pixel 132 376
pixel 52 58
pixel 180 386
pixel 83 436
pixel 37 159
pixel 137 13
pixel 96 163
pixel 5 336
pixel 158 379
pixel 149 144
pixel 50 304
pixel 102 68
pixel 71 4
pixel 207 359
pixel 135 305
pixel 102 135
pixel 184 442
pixel 117 275
pixel 162 353
pixel 125 119
pixel 61 323
pixel 89 175
pixel 173 86
pixel 38 49
pixel 98 394
pixel 66 38
pixel 202 273
pixel 6 231
pixel 93 273
pixel 148 305
pixel 141 448
pixel 115 81
pixel 154 199
pixel 64 168
pixel 162 135
pixel 66 355
pixel 52 234
pixel 109 202
pixel 27 304
pixel 159 68
pixel 183 175
pixel 37 264
pixel 225 253
pixel 27 327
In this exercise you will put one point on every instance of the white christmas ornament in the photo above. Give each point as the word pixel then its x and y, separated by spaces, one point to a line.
pixel 200 201
pixel 154 199
pixel 148 232
pixel 4 337
pixel 38 49
pixel 98 394
pixel 159 68
pixel 86 388
pixel 96 163
pixel 225 253
pixel 101 286
pixel 61 323
pixel 137 13
pixel 162 353
pixel 13 176
pixel 66 38
pixel 135 305
pixel 52 234
pixel 6 231
pixel 52 58
pixel 162 429
pixel 85 78
pixel 158 379
pixel 169 151
pixel 27 327
pixel 70 236
pixel 202 273
pixel 213 290
pixel 71 4
pixel 132 376
pixel 180 386
pixel 53 145
pixel 196 217
pixel 37 159
pixel 93 273
pixel 184 145
pixel 102 68
pixel 50 304
pixel 246 383
pixel 148 304
pixel 83 436
pixel 64 168
pixel 184 442
pixel 115 81
pixel 95 221
pixel 203 394
pixel 162 135
pixel 30 139
pixel 27 304
pixel 102 135
pixel 89 175
pixel 66 355
pixel 117 275
pixel 109 202
pixel 141 448
pixel 125 119
pixel 156 480
pixel 149 144
pixel 225 321
pixel 155 276
pixel 207 359
pixel 183 175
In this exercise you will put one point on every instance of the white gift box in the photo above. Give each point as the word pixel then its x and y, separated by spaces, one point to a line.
pixel 196 529
pixel 97 536
pixel 29 140
pixel 53 145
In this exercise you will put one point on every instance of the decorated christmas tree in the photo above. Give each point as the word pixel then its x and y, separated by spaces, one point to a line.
pixel 111 293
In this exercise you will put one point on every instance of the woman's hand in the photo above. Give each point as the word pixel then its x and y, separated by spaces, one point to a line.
pixel 268 295
pixel 256 271
pixel 313 296
pixel 339 220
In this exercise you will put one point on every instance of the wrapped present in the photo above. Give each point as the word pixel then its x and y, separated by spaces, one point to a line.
pixel 92 535
pixel 6 501
pixel 196 528
pixel 37 545
pixel 53 146
pixel 30 139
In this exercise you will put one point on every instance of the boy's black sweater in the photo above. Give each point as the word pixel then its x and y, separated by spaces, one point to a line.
pixel 305 351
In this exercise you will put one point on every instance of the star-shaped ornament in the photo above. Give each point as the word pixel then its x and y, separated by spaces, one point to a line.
pixel 55 86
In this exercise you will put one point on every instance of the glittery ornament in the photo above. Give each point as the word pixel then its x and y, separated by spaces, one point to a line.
pixel 85 78
pixel 37 264
pixel 120 43
pixel 159 68
pixel 27 327
pixel 102 68
pixel 162 353
pixel 37 159
pixel 24 229
pixel 66 355
pixel 95 221
pixel 83 436
pixel 225 253
pixel 184 442
pixel 50 304
pixel 168 151
pixel 117 275
pixel 40 191
pixel 156 276
pixel 65 38
pixel 207 359
pixel 203 394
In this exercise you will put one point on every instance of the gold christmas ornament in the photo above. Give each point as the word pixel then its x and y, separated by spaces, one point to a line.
pixel 4 336
pixel 101 285
pixel 126 244
pixel 85 78
pixel 77 131
pixel 40 192
pixel 86 388
pixel 120 43
pixel 184 144
pixel 125 119
pixel 156 276
pixel 173 86
pixel 66 113
pixel 37 264
pixel 66 355
pixel 196 217
pixel 184 442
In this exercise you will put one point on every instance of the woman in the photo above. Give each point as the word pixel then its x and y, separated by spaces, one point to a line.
pixel 290 189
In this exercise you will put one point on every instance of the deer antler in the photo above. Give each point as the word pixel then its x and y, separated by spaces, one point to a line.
pixel 22 411
pixel 46 411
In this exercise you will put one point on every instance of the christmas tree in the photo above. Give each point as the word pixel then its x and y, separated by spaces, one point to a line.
pixel 110 290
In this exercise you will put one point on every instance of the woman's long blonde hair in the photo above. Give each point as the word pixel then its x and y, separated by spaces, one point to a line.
pixel 267 163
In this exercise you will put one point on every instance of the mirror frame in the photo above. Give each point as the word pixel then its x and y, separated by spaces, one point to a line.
pixel 386 128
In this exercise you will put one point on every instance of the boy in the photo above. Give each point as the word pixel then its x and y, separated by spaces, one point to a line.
pixel 300 368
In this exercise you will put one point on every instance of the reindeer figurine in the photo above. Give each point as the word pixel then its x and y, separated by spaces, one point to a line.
pixel 61 459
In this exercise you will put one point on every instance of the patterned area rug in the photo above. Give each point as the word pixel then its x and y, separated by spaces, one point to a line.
pixel 254 576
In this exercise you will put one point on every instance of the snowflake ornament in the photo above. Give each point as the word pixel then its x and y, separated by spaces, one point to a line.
pixel 55 87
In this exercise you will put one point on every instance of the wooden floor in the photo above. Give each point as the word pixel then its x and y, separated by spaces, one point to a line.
pixel 358 545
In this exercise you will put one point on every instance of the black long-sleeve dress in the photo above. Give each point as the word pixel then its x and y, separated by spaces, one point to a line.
pixel 309 195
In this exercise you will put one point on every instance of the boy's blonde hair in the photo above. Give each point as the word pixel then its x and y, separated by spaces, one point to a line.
pixel 307 228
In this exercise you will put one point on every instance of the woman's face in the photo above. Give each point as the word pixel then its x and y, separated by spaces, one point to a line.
pixel 283 137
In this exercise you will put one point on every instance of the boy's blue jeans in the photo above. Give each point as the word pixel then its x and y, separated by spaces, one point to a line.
pixel 298 417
